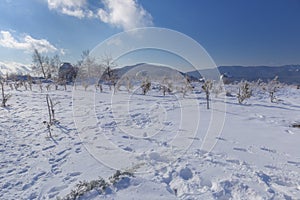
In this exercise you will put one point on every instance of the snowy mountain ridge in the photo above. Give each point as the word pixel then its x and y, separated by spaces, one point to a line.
pixel 13 68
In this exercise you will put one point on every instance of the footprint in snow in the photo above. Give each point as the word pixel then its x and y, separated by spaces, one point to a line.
pixel 268 150
pixel 294 163
pixel 240 149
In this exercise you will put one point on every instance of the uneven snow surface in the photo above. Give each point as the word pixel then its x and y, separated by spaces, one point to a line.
pixel 256 156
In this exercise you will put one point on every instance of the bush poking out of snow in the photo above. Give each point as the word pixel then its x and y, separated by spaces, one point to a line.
pixel 146 86
pixel 186 173
pixel 296 125
pixel 119 180
pixel 244 92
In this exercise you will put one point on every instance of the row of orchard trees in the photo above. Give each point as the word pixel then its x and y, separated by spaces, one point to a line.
pixel 46 66
pixel 244 89
pixel 94 72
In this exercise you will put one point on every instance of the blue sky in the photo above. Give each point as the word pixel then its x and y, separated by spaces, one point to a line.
pixel 234 32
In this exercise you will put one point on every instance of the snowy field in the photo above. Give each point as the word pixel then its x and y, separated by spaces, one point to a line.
pixel 256 155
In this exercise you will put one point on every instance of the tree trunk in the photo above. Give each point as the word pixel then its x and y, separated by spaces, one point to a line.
pixel 38 56
pixel 207 100
pixel 3 95
pixel 49 109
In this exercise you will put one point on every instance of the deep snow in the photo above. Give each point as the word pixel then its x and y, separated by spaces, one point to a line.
pixel 256 155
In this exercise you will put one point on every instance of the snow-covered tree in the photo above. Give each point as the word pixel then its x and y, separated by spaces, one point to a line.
pixel 45 65
pixel 207 87
pixel 272 88
pixel 244 91
pixel 166 86
pixel 146 86
pixel 186 86
pixel 217 88
pixel 108 64
pixel 39 63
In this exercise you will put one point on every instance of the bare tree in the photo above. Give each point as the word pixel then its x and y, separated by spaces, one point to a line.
pixel 55 63
pixel 39 62
pixel 5 97
pixel 45 65
pixel 51 113
pixel 207 87
pixel 108 64
pixel 89 70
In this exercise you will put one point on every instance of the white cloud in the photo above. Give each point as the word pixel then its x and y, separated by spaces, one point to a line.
pixel 75 8
pixel 26 43
pixel 126 14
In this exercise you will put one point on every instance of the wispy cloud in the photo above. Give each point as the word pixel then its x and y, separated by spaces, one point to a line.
pixel 68 7
pixel 26 43
pixel 124 14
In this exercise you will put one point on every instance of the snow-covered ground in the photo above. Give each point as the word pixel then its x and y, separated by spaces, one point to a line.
pixel 256 155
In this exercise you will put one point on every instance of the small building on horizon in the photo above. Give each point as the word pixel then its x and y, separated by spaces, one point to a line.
pixel 67 72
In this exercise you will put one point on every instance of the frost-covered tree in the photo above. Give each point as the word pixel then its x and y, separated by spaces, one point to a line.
pixel 125 81
pixel 207 87
pixel 244 91
pixel 272 88
pixel 129 85
pixel 109 75
pixel 39 62
pixel 54 65
pixel 89 70
pixel 217 88
pixel 45 65
pixel 166 86
pixel 186 86
pixel 146 86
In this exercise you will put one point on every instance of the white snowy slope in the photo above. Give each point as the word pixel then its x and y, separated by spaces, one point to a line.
pixel 256 155
pixel 13 68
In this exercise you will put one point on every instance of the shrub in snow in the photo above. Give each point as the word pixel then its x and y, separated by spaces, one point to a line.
pixel 186 87
pixel 118 176
pixel 48 86
pixel 85 85
pixel 51 113
pixel 186 173
pixel 244 91
pixel 146 86
pixel 272 88
pixel 217 88
pixel 166 86
pixel 29 81
pixel 100 185
pixel 129 85
pixel 207 87
pixel 296 125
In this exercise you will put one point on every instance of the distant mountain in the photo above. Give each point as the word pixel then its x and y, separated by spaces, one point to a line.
pixel 289 74
pixel 13 68
pixel 150 70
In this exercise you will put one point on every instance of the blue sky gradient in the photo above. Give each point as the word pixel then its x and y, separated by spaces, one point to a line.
pixel 234 32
